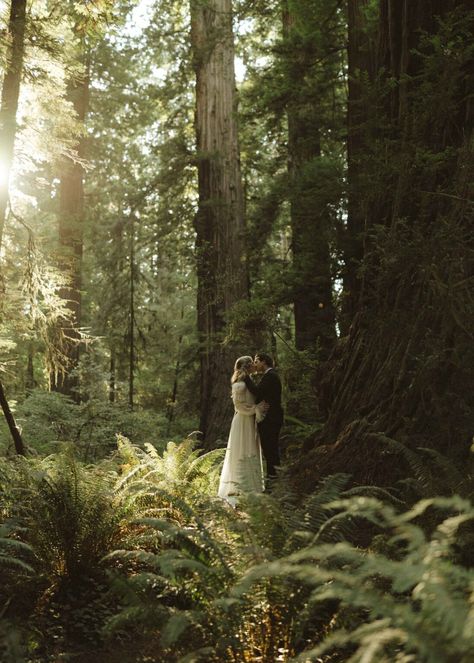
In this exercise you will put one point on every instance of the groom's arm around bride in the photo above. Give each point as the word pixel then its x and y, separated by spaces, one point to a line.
pixel 269 390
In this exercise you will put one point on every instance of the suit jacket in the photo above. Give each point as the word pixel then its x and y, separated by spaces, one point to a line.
pixel 269 390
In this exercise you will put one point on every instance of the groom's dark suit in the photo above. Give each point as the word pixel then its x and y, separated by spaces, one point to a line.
pixel 269 390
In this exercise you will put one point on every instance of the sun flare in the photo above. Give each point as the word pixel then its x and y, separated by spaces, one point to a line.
pixel 4 173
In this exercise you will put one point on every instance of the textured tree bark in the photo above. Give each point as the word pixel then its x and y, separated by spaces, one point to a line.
pixel 402 377
pixel 360 60
pixel 219 222
pixel 131 317
pixel 9 101
pixel 401 23
pixel 70 227
pixel 8 110
pixel 112 377
pixel 170 410
pixel 313 307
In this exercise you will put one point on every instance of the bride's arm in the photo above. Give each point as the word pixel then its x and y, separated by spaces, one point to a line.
pixel 240 404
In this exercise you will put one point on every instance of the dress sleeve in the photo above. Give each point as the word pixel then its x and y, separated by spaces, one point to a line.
pixel 240 404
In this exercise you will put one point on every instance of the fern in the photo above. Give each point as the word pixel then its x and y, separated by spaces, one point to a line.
pixel 179 469
pixel 433 473
pixel 422 602
pixel 455 480
pixel 71 517
pixel 13 551
pixel 195 550
pixel 275 580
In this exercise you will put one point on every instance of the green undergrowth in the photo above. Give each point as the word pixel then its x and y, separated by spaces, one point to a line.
pixel 135 558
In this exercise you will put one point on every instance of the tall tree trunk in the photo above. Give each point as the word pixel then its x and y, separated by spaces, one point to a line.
pixel 405 372
pixel 30 382
pixel 171 408
pixel 310 221
pixel 219 223
pixel 8 110
pixel 9 102
pixel 112 376
pixel 71 222
pixel 360 56
pixel 131 317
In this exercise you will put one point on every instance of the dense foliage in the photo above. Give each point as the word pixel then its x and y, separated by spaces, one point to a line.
pixel 137 552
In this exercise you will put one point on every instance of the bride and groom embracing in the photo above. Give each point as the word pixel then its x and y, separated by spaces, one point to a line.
pixel 255 428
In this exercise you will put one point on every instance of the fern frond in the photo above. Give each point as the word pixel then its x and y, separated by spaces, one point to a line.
pixel 12 550
pixel 445 468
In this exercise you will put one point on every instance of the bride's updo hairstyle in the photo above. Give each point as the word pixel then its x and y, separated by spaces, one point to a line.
pixel 241 369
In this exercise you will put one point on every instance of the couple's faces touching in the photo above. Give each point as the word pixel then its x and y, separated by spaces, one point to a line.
pixel 257 366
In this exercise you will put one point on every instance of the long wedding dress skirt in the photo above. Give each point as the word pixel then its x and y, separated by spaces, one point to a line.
pixel 242 470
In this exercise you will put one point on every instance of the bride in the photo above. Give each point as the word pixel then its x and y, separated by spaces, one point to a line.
pixel 242 470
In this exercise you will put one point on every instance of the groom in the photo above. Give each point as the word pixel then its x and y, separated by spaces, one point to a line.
pixel 269 390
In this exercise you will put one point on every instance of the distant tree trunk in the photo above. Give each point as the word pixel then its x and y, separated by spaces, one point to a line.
pixel 131 317
pixel 112 377
pixel 30 382
pixel 8 110
pixel 170 410
pixel 219 223
pixel 71 222
pixel 360 55
pixel 9 101
pixel 310 220
pixel 118 342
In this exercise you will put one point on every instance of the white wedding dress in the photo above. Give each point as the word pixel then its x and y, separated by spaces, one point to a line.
pixel 242 470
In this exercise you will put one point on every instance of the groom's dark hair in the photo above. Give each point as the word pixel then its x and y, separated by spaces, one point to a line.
pixel 262 356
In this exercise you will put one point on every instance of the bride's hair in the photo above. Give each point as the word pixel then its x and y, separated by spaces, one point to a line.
pixel 241 368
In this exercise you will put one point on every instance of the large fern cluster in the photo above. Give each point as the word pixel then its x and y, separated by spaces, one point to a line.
pixel 278 581
pixel 65 513
pixel 414 602
pixel 73 519
pixel 15 554
pixel 346 575
pixel 180 469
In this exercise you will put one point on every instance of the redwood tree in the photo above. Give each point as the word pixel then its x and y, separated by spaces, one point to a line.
pixel 71 228
pixel 311 61
pixel 360 62
pixel 10 95
pixel 8 110
pixel 219 223
pixel 403 374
